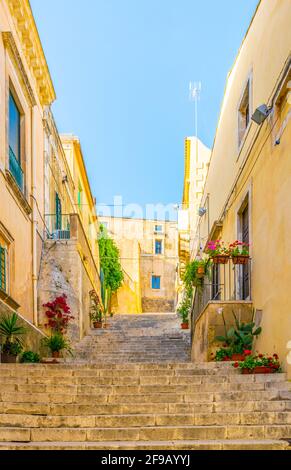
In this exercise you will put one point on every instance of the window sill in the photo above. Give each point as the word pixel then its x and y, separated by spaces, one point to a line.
pixel 18 193
pixel 8 300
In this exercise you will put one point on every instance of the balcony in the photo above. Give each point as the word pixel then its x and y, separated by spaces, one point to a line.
pixel 228 288
pixel 57 227
pixel 16 170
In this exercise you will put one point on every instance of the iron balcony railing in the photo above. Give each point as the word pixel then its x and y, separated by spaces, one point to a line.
pixel 16 170
pixel 57 227
pixel 224 283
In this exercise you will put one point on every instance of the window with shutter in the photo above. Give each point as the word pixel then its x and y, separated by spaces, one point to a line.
pixel 2 269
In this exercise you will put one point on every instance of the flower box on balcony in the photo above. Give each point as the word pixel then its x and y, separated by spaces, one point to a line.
pixel 220 259
pixel 259 370
pixel 241 259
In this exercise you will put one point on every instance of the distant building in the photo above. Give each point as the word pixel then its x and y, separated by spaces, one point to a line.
pixel 149 257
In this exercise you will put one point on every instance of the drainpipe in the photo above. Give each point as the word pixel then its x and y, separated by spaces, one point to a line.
pixel 34 218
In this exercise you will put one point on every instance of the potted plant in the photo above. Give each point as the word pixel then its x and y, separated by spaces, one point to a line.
pixel 259 364
pixel 195 272
pixel 96 316
pixel 30 357
pixel 58 313
pixel 218 252
pixel 11 332
pixel 239 339
pixel 57 343
pixel 239 252
pixel 222 355
pixel 184 309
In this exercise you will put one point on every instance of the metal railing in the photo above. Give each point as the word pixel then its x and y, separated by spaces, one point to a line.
pixel 57 227
pixel 16 170
pixel 225 282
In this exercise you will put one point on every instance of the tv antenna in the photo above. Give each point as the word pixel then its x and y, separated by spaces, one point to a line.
pixel 194 95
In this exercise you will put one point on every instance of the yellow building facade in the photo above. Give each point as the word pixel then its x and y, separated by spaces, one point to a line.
pixel 149 259
pixel 247 190
pixel 25 90
pixel 48 223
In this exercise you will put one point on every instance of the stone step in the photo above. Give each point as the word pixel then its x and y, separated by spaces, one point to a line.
pixel 73 409
pixel 162 433
pixel 144 420
pixel 272 381
pixel 150 397
pixel 145 389
pixel 152 445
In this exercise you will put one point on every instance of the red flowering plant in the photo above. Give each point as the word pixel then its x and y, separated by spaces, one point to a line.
pixel 217 248
pixel 253 361
pixel 58 314
pixel 238 248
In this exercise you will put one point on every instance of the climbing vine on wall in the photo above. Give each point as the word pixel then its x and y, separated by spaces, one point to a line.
pixel 110 261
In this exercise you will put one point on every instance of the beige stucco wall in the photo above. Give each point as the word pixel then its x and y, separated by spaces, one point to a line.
pixel 259 170
pixel 210 324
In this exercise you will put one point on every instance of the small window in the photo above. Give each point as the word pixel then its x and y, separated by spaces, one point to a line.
pixel 156 282
pixel 244 113
pixel 80 191
pixel 15 142
pixel 158 247
pixel 158 228
pixel 3 269
pixel 14 128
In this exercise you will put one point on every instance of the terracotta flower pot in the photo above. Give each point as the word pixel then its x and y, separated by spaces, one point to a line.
pixel 8 358
pixel 185 326
pixel 238 357
pixel 97 324
pixel 200 272
pixel 259 370
pixel 220 259
pixel 263 370
pixel 56 354
pixel 242 259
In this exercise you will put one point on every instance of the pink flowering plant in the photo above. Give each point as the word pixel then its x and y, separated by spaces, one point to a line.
pixel 238 248
pixel 217 248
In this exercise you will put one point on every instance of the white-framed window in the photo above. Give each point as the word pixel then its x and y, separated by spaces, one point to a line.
pixel 244 111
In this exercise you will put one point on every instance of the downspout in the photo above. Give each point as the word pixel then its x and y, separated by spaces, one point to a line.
pixel 34 218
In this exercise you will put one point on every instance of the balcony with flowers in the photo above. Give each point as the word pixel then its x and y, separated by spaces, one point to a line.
pixel 225 284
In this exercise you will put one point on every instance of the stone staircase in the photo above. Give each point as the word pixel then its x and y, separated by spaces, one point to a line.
pixel 133 387
pixel 142 406
pixel 137 338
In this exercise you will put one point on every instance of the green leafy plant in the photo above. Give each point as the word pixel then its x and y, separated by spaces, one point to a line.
pixel 185 306
pixel 238 248
pixel 217 248
pixel 223 354
pixel 96 313
pixel 12 332
pixel 12 349
pixel 56 343
pixel 30 357
pixel 241 337
pixel 191 277
pixel 110 262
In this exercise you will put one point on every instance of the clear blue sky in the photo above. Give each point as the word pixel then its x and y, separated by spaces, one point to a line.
pixel 121 70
